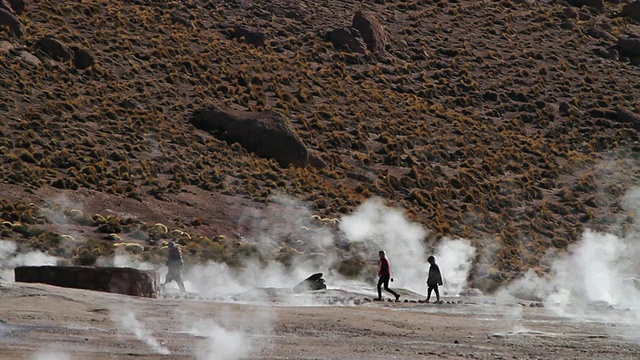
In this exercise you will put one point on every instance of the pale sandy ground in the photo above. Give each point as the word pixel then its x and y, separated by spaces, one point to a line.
pixel 45 322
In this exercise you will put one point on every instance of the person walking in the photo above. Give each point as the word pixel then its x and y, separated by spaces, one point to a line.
pixel 434 279
pixel 174 263
pixel 384 275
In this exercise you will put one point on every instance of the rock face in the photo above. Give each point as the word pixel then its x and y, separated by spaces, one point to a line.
pixel 55 48
pixel 11 21
pixel 346 38
pixel 631 10
pixel 371 30
pixel 265 133
pixel 313 282
pixel 125 281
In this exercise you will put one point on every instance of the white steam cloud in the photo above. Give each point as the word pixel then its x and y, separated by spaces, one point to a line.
pixel 50 355
pixel 380 227
pixel 10 259
pixel 221 343
pixel 596 277
pixel 126 319
pixel 454 257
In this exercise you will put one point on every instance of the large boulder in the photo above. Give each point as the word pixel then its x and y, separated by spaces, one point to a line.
pixel 265 133
pixel 9 20
pixel 17 6
pixel 346 38
pixel 313 282
pixel 82 59
pixel 13 6
pixel 125 281
pixel 631 10
pixel 55 48
pixel 629 45
pixel 374 35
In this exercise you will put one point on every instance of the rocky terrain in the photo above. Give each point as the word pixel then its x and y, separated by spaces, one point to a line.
pixel 513 124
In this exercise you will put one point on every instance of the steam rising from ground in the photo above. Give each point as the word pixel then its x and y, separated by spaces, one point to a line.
pixel 379 227
pixel 231 335
pixel 126 319
pixel 454 257
pixel 597 275
pixel 50 355
pixel 10 259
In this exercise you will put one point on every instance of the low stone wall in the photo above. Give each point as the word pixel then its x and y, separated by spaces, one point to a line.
pixel 125 281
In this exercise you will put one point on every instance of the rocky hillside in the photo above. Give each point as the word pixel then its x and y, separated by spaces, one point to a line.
pixel 511 123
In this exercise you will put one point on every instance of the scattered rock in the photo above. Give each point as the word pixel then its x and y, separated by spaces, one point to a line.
pixel 250 36
pixel 629 45
pixel 601 34
pixel 570 13
pixel 125 281
pixel 595 4
pixel 182 19
pixel 628 116
pixel 82 59
pixel 313 282
pixel 265 133
pixel 5 47
pixel 631 10
pixel 346 38
pixel 11 21
pixel 55 48
pixel 29 58
pixel 374 35
pixel 527 3
pixel 316 162
pixel 130 104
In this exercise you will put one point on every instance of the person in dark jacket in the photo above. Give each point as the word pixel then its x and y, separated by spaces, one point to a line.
pixel 175 263
pixel 384 275
pixel 434 279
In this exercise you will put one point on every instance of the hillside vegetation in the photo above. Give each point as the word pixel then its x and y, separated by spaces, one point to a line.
pixel 514 121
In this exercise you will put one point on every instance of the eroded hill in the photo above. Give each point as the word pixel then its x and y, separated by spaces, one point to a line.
pixel 515 121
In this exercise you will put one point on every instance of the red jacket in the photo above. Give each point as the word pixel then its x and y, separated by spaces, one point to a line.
pixel 385 268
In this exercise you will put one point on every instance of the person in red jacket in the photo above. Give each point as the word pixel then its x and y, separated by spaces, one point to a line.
pixel 384 275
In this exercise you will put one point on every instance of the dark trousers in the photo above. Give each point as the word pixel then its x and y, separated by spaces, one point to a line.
pixel 384 280
pixel 435 289
pixel 174 275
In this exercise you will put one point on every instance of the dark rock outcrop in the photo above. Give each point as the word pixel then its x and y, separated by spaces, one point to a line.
pixel 374 35
pixel 13 6
pixel 55 48
pixel 595 4
pixel 265 133
pixel 629 45
pixel 17 6
pixel 250 36
pixel 346 38
pixel 82 59
pixel 631 10
pixel 125 281
pixel 627 116
pixel 7 19
pixel 313 282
